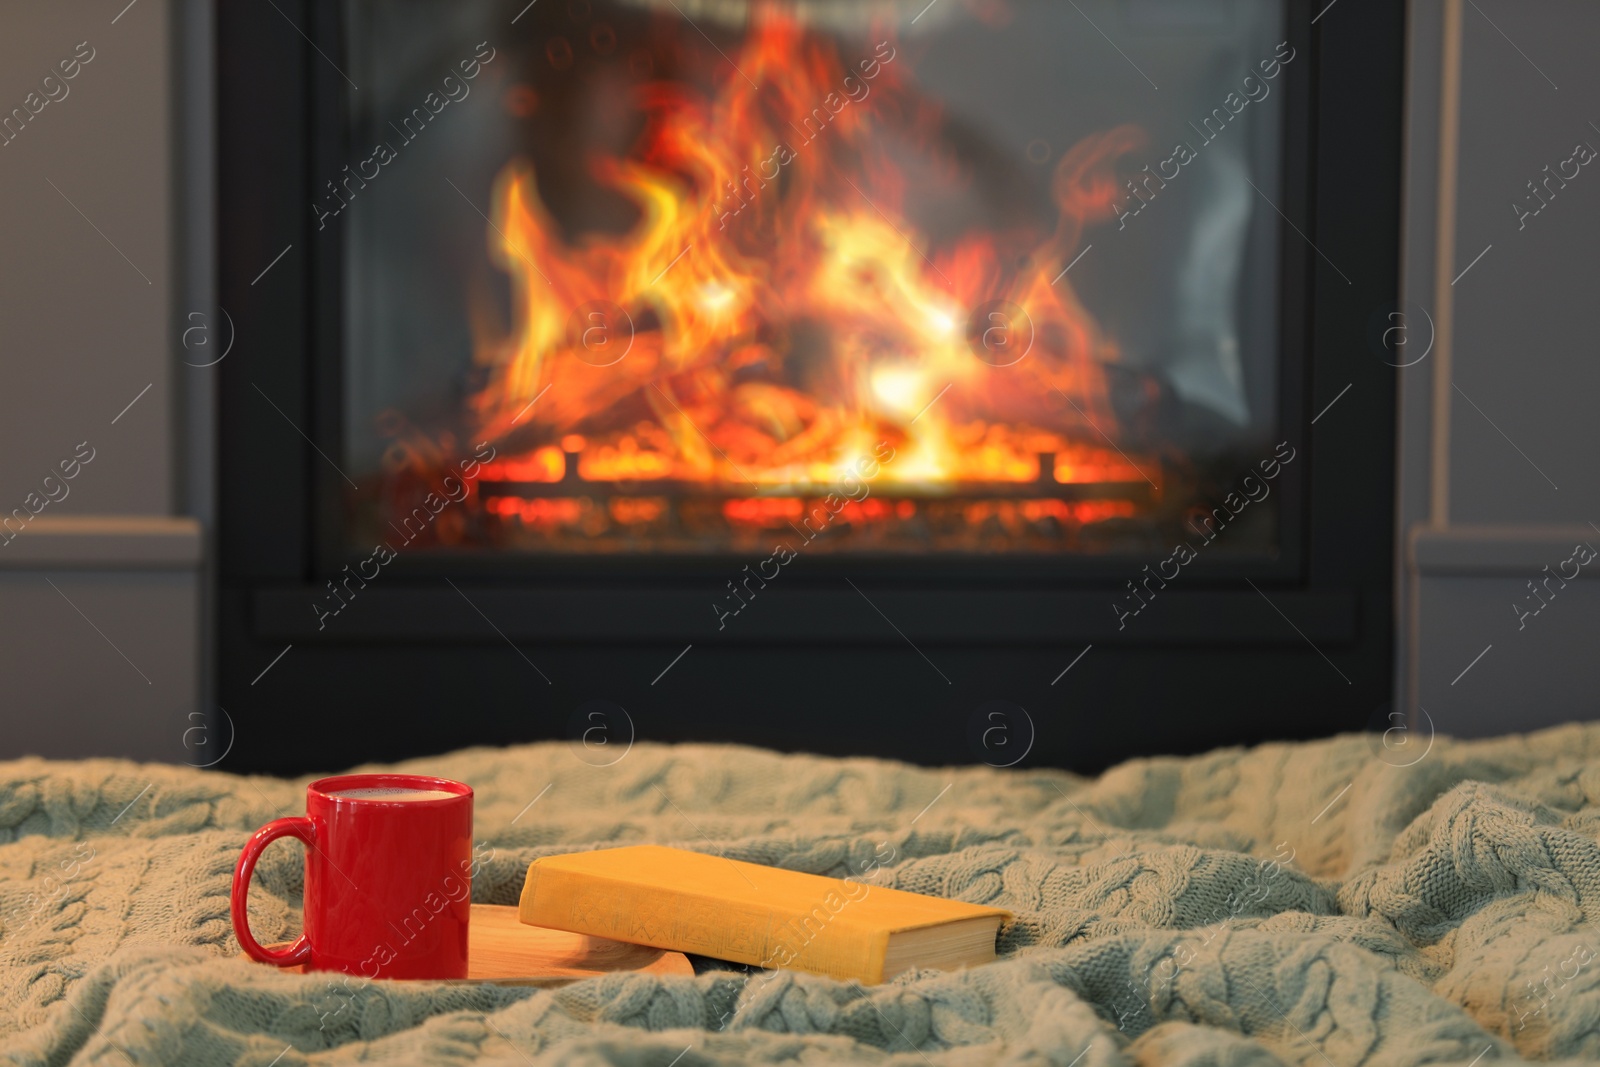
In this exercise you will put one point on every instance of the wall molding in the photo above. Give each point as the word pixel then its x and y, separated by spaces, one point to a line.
pixel 1485 550
pixel 105 542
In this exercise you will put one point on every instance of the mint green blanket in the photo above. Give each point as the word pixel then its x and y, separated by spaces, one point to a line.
pixel 1312 904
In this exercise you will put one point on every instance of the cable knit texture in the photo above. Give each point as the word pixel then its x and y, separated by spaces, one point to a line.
pixel 1290 904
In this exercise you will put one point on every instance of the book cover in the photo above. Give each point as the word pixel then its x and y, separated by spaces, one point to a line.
pixel 744 912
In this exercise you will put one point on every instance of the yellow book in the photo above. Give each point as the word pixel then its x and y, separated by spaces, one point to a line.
pixel 744 912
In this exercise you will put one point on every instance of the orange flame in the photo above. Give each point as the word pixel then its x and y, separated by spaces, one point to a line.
pixel 786 313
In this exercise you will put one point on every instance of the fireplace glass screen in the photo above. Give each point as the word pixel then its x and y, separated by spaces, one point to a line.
pixel 683 276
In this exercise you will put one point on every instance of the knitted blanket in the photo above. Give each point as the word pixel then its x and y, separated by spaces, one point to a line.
pixel 1335 903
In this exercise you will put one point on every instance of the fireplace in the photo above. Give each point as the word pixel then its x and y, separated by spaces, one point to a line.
pixel 802 336
pixel 707 268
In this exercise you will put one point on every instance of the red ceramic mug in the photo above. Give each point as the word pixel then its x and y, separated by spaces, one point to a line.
pixel 388 877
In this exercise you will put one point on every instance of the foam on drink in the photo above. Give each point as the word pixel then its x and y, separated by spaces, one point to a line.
pixel 393 792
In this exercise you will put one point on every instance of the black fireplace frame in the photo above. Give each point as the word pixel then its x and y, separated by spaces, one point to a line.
pixel 904 652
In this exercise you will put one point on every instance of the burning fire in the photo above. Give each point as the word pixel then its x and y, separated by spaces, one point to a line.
pixel 777 310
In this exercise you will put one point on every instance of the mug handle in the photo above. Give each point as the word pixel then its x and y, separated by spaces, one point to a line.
pixel 300 951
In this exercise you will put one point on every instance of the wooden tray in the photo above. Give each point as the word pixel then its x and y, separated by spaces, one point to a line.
pixel 502 949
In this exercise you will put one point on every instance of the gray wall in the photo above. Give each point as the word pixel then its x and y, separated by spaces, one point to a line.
pixel 1499 426
pixel 100 592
